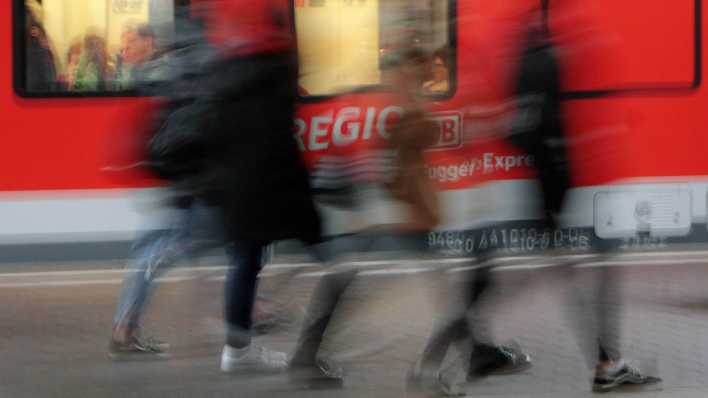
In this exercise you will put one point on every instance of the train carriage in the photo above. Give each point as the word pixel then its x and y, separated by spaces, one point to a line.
pixel 633 97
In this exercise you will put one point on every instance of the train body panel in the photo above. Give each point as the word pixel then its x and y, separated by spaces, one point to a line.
pixel 635 109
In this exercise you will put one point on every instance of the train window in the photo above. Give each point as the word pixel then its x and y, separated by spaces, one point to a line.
pixel 89 47
pixel 343 43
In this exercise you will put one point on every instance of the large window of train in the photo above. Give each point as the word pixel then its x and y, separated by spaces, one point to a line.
pixel 343 43
pixel 89 47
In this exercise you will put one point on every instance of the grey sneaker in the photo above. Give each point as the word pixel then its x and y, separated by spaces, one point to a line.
pixel 138 349
pixel 487 360
pixel 322 368
pixel 252 359
pixel 322 374
pixel 626 376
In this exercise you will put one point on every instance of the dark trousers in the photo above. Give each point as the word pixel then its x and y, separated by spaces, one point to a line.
pixel 455 328
pixel 332 286
pixel 594 304
pixel 324 301
pixel 240 290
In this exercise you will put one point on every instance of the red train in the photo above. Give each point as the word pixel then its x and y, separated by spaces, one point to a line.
pixel 634 98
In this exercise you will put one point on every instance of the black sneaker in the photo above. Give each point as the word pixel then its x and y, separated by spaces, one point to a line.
pixel 627 376
pixel 322 374
pixel 138 349
pixel 487 360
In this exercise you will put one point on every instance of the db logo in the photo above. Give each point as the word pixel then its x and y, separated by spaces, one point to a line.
pixel 450 124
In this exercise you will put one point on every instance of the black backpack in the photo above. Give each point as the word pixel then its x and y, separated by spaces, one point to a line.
pixel 179 133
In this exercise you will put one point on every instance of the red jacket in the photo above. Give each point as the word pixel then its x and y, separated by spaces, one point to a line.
pixel 241 27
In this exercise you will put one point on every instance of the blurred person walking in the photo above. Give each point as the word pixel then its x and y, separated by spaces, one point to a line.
pixel 404 74
pixel 195 225
pixel 255 173
pixel 539 131
pixel 182 148
pixel 465 325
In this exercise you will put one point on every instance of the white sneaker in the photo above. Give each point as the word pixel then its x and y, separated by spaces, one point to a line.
pixel 252 358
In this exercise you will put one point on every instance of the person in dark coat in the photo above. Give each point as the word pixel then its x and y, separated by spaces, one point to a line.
pixel 41 72
pixel 253 169
pixel 224 141
pixel 539 131
pixel 256 172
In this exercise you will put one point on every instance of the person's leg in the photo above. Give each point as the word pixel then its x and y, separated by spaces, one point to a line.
pixel 611 371
pixel 485 356
pixel 439 343
pixel 607 310
pixel 598 327
pixel 452 327
pixel 332 286
pixel 153 253
pixel 594 298
pixel 480 282
pixel 240 293
pixel 324 300
pixel 320 311
pixel 146 264
pixel 579 308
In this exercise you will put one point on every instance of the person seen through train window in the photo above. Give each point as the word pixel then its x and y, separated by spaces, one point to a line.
pixel 73 56
pixel 439 74
pixel 93 70
pixel 137 50
pixel 41 63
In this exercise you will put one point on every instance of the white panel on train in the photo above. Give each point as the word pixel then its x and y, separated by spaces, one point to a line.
pixel 662 211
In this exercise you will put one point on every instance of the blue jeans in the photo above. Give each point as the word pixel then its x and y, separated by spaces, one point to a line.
pixel 195 229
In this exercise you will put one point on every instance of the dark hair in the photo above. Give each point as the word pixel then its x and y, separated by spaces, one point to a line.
pixel 31 22
pixel 96 53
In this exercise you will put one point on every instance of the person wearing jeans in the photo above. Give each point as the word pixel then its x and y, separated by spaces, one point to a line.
pixel 195 229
